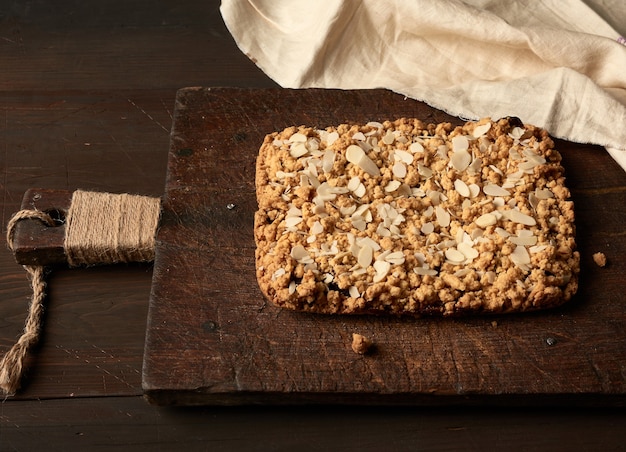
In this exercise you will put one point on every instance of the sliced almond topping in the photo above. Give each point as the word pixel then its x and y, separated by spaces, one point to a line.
pixel 424 171
pixel 518 217
pixel 366 254
pixel 278 273
pixel 399 169
pixel 298 252
pixel 389 137
pixel 382 269
pixel 474 190
pixel 331 138
pixel 353 183
pixel 366 241
pixel 467 250
pixel 359 136
pixel 462 188
pixel 524 241
pixel 416 147
pixel 395 258
pixel 292 221
pixel 425 271
pixel 495 190
pixel 479 131
pixel 328 161
pixel 354 292
pixel 544 193
pixel 427 228
pixel 298 149
pixel 405 156
pixel 454 255
pixel 359 223
pixel 356 155
pixel 443 216
pixel 298 138
pixel 537 248
pixel 520 257
pixel 485 220
pixel 460 160
pixel 502 233
pixel 460 143
pixel 392 186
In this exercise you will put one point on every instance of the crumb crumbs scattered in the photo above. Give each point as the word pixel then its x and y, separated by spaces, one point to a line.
pixel 360 344
pixel 599 259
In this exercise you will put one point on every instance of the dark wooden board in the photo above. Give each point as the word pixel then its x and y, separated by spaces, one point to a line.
pixel 212 338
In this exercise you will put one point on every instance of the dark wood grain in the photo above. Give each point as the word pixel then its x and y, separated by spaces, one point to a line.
pixel 86 96
pixel 212 338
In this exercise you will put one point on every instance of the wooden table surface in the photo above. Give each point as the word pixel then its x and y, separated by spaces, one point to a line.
pixel 87 94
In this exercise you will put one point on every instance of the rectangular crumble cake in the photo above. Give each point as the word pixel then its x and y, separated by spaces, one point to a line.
pixel 411 218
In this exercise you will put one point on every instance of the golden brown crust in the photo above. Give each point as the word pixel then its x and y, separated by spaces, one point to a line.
pixel 408 218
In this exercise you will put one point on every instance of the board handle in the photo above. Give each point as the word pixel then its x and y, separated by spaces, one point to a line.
pixel 37 243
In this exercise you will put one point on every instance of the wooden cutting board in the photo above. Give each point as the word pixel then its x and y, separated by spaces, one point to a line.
pixel 213 339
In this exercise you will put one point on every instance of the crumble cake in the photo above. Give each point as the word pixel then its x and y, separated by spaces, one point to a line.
pixel 403 217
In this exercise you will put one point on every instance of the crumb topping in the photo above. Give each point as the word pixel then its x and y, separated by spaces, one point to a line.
pixel 404 217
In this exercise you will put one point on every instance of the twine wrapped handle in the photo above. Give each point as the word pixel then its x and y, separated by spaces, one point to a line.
pixel 100 228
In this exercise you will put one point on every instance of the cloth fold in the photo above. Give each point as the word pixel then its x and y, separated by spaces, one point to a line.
pixel 558 64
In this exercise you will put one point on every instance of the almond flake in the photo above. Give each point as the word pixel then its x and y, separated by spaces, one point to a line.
pixel 292 221
pixel 474 190
pixel 518 217
pixel 502 233
pixel 427 228
pixel 359 223
pixel 382 269
pixel 354 292
pixel 544 193
pixel 479 131
pixel 366 241
pixel 462 188
pixel 425 271
pixel 487 219
pixel 533 200
pixel 424 171
pixel 398 169
pixel 359 136
pixel 356 155
pixel 404 156
pixel 389 137
pixel 460 143
pixel 365 256
pixel 520 256
pixel 392 186
pixel 524 241
pixel 298 138
pixel 278 273
pixel 443 216
pixel 495 190
pixel 328 161
pixel 298 149
pixel 353 183
pixel 396 258
pixel 467 250
pixel 454 256
pixel 292 287
pixel 460 160
pixel 416 147
pixel 331 138
pixel 298 252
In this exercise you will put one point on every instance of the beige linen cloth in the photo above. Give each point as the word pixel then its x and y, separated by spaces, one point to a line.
pixel 558 64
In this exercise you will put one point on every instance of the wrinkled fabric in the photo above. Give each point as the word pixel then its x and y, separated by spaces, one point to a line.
pixel 559 64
